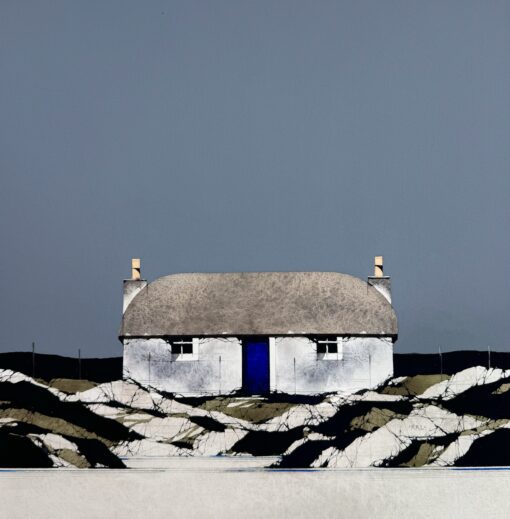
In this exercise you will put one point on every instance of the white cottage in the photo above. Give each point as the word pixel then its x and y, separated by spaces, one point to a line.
pixel 258 332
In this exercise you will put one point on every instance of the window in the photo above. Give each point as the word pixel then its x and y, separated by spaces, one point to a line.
pixel 183 349
pixel 328 347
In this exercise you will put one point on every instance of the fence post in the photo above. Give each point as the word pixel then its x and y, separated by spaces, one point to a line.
pixel 79 364
pixel 295 384
pixel 219 360
pixel 440 361
pixel 149 367
pixel 33 360
pixel 369 369
pixel 489 356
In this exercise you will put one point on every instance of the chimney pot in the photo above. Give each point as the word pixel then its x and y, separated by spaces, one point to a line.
pixel 378 267
pixel 135 269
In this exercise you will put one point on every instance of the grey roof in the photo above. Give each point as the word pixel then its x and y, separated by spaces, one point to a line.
pixel 259 303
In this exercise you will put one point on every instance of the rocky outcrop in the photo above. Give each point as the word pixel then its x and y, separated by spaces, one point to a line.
pixel 426 420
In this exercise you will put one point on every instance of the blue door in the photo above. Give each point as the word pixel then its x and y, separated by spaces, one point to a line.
pixel 256 366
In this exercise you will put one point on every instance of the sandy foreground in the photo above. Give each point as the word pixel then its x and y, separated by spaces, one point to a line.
pixel 213 487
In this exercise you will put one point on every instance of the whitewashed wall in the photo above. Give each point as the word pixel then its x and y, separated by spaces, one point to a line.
pixel 362 362
pixel 216 366
pixel 295 367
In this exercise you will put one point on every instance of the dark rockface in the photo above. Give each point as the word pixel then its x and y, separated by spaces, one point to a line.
pixel 492 450
pixel 415 421
pixel 35 399
pixel 18 451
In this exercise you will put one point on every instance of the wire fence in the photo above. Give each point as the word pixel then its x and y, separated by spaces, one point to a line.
pixel 445 361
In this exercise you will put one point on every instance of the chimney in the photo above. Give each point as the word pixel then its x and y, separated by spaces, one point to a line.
pixel 134 285
pixel 379 281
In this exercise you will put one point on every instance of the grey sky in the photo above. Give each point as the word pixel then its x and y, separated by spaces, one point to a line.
pixel 245 136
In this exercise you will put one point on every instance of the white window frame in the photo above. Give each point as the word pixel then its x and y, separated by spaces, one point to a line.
pixel 184 357
pixel 338 355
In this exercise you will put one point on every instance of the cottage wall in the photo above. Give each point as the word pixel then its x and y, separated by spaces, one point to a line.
pixel 216 366
pixel 295 367
pixel 362 362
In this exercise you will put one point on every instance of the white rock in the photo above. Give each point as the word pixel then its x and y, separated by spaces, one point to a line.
pixel 59 462
pixel 133 418
pixel 14 377
pixel 55 441
pixel 327 457
pixel 462 381
pixel 213 443
pixel 242 403
pixel 120 391
pixel 164 428
pixel 387 441
pixel 299 415
pixel 457 449
pixel 147 447
pixel 372 396
pixel 396 381
pixel 107 411
pixel 310 438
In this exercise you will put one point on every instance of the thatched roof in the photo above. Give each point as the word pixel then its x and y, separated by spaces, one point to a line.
pixel 259 303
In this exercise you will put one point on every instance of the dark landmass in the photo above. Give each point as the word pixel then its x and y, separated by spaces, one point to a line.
pixel 448 363
pixel 50 367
